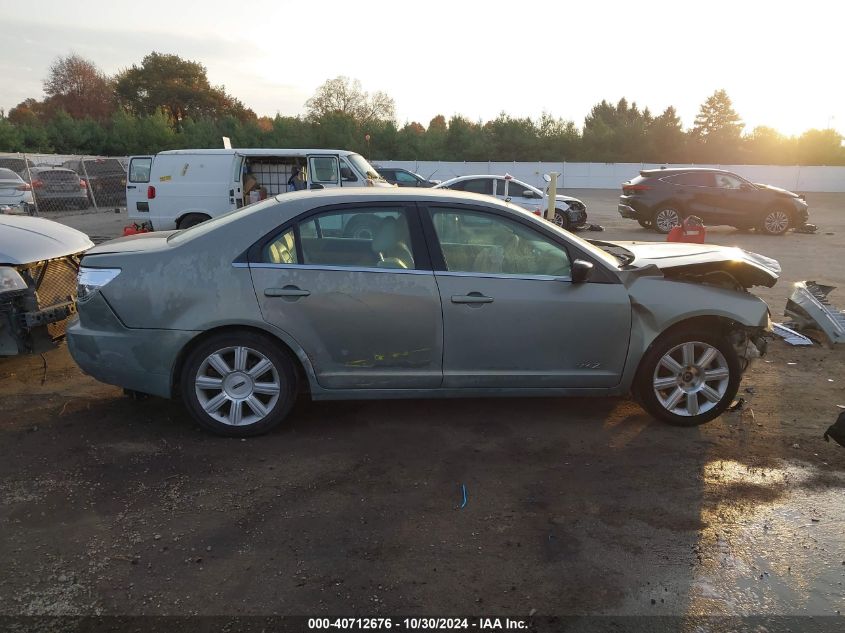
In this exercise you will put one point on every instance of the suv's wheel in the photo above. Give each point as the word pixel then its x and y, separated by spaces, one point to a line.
pixel 688 377
pixel 666 218
pixel 239 384
pixel 561 219
pixel 192 219
pixel 646 224
pixel 775 222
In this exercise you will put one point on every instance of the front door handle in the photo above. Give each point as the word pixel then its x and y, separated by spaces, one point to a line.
pixel 473 297
pixel 287 291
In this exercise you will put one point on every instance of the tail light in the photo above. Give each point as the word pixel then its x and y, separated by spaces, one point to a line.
pixel 83 184
pixel 635 188
pixel 24 187
pixel 37 184
pixel 151 192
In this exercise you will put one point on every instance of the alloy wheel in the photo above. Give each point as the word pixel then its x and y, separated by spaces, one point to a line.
pixel 776 222
pixel 691 378
pixel 237 386
pixel 667 219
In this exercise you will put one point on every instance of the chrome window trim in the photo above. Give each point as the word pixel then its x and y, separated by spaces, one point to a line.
pixel 355 269
pixel 455 273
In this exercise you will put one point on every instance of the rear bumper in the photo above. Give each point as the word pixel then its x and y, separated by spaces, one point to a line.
pixel 141 360
pixel 627 211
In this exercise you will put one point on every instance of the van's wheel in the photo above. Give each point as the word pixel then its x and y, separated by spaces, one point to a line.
pixel 666 219
pixel 688 377
pixel 361 227
pixel 192 219
pixel 561 220
pixel 775 222
pixel 239 384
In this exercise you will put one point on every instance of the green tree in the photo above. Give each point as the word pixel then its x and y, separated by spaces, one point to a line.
pixel 717 130
pixel 666 138
pixel 820 147
pixel 10 136
pixel 178 87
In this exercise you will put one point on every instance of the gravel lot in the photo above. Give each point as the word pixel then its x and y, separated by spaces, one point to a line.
pixel 115 506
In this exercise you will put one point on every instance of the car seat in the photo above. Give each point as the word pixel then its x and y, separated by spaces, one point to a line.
pixel 390 244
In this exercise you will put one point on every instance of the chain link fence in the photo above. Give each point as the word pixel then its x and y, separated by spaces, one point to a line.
pixel 44 184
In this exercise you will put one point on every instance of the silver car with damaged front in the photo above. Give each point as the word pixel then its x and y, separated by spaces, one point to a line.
pixel 450 294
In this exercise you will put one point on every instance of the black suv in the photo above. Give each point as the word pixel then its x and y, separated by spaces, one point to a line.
pixel 106 179
pixel 662 198
pixel 403 177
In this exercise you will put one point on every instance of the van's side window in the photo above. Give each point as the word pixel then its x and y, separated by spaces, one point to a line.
pixel 324 169
pixel 139 169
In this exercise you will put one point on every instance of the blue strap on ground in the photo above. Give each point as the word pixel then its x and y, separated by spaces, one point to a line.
pixel 464 491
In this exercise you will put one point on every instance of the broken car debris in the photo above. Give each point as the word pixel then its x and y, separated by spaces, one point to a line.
pixel 810 309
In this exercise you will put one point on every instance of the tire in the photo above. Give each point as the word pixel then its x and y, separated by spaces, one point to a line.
pixel 646 224
pixel 192 219
pixel 83 204
pixel 666 218
pixel 361 227
pixel 561 220
pixel 775 222
pixel 680 394
pixel 235 408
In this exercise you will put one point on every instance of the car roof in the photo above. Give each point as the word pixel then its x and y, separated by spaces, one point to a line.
pixel 683 170
pixel 251 151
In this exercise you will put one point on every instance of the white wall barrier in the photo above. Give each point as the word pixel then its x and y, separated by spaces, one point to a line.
pixel 612 175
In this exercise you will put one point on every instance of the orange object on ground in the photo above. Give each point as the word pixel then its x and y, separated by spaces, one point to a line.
pixel 132 229
pixel 691 230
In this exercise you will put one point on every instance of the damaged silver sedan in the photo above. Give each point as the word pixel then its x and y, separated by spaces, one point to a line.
pixel 39 261
pixel 452 294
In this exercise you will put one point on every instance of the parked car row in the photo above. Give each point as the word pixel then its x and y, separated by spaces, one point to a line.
pixel 660 199
pixel 77 184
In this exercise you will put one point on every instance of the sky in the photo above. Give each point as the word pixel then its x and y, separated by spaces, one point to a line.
pixel 780 62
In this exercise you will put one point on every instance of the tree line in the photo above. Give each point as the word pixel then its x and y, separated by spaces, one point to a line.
pixel 167 102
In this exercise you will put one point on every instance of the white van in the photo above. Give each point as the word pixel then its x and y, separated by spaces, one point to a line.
pixel 180 188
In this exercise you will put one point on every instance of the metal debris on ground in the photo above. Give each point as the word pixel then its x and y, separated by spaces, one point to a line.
pixel 807 228
pixel 809 307
pixel 595 227
pixel 790 336
pixel 464 493
pixel 836 430
pixel 737 405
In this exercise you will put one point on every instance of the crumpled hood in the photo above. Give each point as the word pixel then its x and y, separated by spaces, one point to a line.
pixel 784 192
pixel 749 269
pixel 25 239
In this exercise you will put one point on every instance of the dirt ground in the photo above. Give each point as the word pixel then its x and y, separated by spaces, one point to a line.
pixel 574 507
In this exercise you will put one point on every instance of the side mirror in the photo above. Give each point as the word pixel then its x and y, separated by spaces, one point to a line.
pixel 547 178
pixel 581 271
pixel 317 185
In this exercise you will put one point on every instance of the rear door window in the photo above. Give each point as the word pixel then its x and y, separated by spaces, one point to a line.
pixel 691 179
pixel 139 169
pixel 475 185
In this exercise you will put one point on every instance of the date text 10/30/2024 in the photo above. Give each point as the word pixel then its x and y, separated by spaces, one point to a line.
pixel 430 624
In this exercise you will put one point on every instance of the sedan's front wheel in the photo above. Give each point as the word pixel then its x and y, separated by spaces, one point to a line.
pixel 239 384
pixel 561 219
pixel 688 377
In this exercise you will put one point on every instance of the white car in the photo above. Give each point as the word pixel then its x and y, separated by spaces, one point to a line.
pixel 39 262
pixel 570 213
pixel 15 194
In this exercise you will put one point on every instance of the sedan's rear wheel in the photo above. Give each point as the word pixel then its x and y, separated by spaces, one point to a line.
pixel 666 219
pixel 775 222
pixel 688 378
pixel 239 384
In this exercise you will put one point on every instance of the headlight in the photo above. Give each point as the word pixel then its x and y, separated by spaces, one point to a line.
pixel 10 279
pixel 90 280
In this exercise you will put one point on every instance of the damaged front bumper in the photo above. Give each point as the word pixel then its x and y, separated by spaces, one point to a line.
pixel 809 307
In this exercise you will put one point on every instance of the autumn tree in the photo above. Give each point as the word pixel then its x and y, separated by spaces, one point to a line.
pixel 177 87
pixel 346 97
pixel 75 85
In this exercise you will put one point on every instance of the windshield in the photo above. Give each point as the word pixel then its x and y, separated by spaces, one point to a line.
pixel 621 253
pixel 364 167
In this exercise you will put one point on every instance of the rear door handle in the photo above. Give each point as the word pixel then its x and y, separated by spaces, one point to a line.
pixel 287 291
pixel 131 187
pixel 473 297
